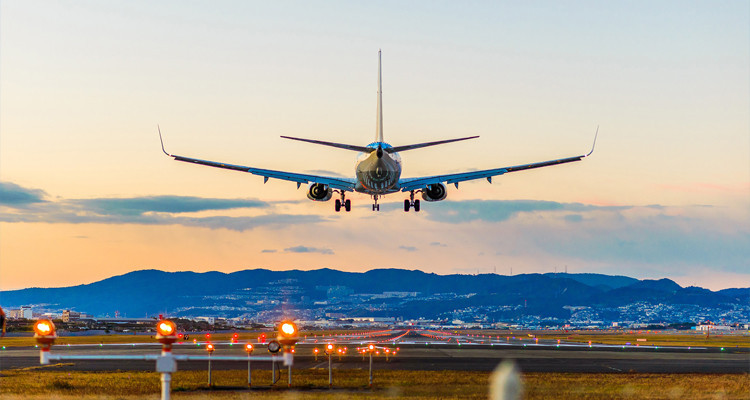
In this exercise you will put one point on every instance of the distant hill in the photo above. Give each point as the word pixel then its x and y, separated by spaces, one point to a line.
pixel 150 292
pixel 601 281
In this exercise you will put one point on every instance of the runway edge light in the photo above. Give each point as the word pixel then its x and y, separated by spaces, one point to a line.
pixel 166 334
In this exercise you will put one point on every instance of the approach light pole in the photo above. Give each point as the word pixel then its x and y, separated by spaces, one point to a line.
pixel 329 353
pixel 166 334
pixel 249 350
pixel 371 349
pixel 288 337
pixel 210 349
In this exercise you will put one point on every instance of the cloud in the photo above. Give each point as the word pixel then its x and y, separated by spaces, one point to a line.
pixel 13 195
pixel 145 210
pixel 304 249
pixel 438 244
pixel 408 248
pixel 497 210
pixel 164 204
pixel 268 251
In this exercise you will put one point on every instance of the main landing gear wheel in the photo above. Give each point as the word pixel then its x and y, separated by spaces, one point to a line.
pixel 376 206
pixel 410 202
pixel 342 202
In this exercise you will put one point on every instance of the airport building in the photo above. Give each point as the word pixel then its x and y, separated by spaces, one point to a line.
pixel 710 327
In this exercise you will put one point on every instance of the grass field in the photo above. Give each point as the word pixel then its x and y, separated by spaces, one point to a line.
pixel 37 383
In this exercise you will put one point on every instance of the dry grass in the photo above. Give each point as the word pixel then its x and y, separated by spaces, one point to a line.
pixel 352 384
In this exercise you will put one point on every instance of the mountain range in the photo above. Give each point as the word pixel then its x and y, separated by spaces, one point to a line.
pixel 392 292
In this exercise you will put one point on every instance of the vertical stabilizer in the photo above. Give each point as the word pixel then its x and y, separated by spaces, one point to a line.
pixel 379 118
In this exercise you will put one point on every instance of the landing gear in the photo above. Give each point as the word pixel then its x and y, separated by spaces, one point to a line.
pixel 376 206
pixel 343 202
pixel 411 203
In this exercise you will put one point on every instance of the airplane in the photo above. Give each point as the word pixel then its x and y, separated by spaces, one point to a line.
pixel 378 169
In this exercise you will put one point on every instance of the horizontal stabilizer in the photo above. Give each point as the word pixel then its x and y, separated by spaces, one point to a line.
pixel 396 149
pixel 362 149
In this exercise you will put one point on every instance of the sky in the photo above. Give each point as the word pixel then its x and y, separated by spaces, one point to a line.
pixel 86 193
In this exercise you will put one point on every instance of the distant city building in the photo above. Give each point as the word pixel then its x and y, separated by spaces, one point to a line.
pixel 334 292
pixel 710 327
pixel 22 313
pixel 69 315
pixel 373 319
pixel 210 320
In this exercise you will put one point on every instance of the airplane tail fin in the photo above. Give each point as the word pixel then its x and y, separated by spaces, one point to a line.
pixel 379 116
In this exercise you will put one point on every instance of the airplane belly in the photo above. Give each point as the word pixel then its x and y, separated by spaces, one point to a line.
pixel 377 175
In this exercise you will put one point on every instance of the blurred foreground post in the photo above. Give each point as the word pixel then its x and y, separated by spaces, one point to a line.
pixel 505 382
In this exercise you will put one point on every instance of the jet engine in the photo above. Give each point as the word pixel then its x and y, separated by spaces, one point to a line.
pixel 319 192
pixel 435 192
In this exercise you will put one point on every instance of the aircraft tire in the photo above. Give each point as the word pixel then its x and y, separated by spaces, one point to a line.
pixel 348 205
pixel 407 205
pixel 416 205
pixel 337 207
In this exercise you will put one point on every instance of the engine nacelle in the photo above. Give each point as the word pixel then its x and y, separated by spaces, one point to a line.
pixel 319 192
pixel 435 192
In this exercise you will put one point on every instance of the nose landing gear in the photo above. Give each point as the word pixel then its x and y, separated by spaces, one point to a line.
pixel 411 203
pixel 376 206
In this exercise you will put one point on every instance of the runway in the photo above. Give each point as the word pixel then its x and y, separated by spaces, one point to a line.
pixel 417 350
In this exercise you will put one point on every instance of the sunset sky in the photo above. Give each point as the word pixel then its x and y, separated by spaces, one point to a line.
pixel 86 193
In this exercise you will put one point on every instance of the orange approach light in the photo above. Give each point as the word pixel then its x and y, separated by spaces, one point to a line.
pixel 287 334
pixel 44 328
pixel 371 347
pixel 287 328
pixel 166 327
pixel 210 348
pixel 249 348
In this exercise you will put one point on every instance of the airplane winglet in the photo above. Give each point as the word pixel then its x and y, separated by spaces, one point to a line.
pixel 594 145
pixel 162 141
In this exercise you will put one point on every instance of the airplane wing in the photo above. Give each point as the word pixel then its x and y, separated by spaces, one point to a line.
pixel 409 184
pixel 333 182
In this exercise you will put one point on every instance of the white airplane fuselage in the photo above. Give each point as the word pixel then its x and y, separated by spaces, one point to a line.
pixel 378 172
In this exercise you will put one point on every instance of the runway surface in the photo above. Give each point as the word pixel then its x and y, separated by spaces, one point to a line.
pixel 415 350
